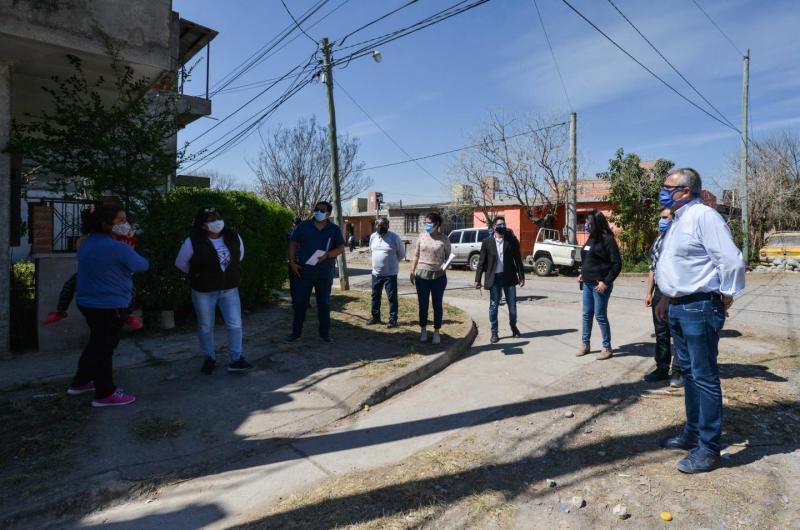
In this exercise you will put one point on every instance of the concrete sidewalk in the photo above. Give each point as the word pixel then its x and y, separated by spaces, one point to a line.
pixel 215 422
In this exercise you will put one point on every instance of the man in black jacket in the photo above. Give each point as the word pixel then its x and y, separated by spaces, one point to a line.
pixel 501 261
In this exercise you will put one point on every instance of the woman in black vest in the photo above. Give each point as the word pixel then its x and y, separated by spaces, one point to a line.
pixel 211 257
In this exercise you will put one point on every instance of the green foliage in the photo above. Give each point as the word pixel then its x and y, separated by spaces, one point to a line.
pixel 634 199
pixel 98 137
pixel 635 266
pixel 262 225
pixel 23 305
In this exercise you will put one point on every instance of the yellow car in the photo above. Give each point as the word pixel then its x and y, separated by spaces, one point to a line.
pixel 780 245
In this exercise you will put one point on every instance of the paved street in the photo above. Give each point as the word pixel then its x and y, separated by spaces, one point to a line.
pixel 462 397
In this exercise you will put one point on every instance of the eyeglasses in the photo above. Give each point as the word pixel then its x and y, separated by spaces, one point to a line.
pixel 673 188
pixel 322 210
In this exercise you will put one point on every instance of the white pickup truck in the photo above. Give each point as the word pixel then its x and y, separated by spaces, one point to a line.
pixel 549 252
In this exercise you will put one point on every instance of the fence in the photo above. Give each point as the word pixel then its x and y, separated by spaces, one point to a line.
pixel 56 224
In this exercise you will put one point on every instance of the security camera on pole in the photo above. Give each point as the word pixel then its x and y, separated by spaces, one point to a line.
pixel 341 262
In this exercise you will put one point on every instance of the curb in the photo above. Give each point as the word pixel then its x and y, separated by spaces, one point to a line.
pixel 416 375
pixel 109 489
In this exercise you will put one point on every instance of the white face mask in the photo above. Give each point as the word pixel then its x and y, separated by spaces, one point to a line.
pixel 215 227
pixel 122 229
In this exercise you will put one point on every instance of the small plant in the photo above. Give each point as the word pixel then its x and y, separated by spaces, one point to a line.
pixel 155 428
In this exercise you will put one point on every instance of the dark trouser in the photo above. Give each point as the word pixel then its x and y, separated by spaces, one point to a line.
pixel 67 293
pixel 105 326
pixel 498 289
pixel 292 285
pixel 434 290
pixel 320 279
pixel 695 331
pixel 663 352
pixel 389 283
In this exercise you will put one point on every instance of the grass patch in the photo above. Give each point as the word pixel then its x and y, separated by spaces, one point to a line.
pixel 155 428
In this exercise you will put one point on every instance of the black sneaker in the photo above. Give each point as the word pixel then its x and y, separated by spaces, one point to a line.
pixel 659 374
pixel 208 366
pixel 374 320
pixel 494 338
pixel 515 332
pixel 676 381
pixel 392 324
pixel 239 365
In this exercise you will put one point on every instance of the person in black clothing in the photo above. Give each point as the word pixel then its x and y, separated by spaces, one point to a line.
pixel 600 266
pixel 292 277
pixel 501 264
pixel 211 258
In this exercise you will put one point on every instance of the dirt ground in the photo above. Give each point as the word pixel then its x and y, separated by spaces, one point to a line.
pixel 596 436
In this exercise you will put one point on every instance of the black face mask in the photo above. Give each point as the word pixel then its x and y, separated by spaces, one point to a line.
pixel 383 229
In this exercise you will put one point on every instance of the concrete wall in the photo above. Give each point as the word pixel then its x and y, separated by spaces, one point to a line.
pixel 71 333
pixel 140 28
pixel 5 209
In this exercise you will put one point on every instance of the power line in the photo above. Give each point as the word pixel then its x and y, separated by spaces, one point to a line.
pixel 441 16
pixel 368 24
pixel 634 59
pixel 376 124
pixel 296 23
pixel 653 46
pixel 552 54
pixel 255 58
pixel 718 28
pixel 473 146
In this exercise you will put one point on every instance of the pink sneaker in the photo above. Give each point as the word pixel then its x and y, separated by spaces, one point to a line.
pixel 114 400
pixel 54 317
pixel 78 390
pixel 134 322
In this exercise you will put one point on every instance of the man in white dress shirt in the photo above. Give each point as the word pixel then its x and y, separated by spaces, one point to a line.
pixel 387 250
pixel 700 269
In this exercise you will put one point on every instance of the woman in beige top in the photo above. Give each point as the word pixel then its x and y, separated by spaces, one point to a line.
pixel 428 274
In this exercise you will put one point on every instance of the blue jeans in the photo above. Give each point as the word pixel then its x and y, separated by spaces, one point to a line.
pixel 318 278
pixel 596 305
pixel 231 309
pixel 695 331
pixel 499 288
pixel 431 289
pixel 380 283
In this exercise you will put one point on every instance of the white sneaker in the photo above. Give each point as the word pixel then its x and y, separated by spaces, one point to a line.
pixel 423 335
pixel 436 338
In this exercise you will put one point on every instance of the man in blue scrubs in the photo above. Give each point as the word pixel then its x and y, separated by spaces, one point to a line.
pixel 321 240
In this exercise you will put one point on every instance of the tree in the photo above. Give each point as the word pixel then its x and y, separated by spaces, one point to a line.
pixel 101 137
pixel 774 185
pixel 294 167
pixel 634 200
pixel 221 181
pixel 522 159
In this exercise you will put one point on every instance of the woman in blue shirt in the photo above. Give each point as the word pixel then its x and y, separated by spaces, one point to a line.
pixel 103 295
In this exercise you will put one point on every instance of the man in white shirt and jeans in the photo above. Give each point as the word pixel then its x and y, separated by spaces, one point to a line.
pixel 700 269
pixel 386 249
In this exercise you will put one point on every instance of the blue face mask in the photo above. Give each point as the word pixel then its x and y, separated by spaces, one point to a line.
pixel 429 227
pixel 500 229
pixel 663 224
pixel 320 216
pixel 666 200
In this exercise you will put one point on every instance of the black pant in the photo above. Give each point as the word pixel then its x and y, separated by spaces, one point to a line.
pixel 663 350
pixel 105 327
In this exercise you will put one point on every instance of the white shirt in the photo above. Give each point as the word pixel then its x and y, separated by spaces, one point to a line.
pixel 698 255
pixel 500 266
pixel 187 251
pixel 386 251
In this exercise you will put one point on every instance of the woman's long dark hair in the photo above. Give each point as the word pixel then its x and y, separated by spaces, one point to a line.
pixel 598 226
pixel 201 217
pixel 93 220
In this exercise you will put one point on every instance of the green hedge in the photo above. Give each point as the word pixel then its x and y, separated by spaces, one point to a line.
pixel 23 305
pixel 262 225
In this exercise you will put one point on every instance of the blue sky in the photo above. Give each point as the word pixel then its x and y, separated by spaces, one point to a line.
pixel 434 88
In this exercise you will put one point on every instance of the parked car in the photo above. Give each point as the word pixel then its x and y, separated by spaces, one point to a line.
pixel 466 245
pixel 780 245
pixel 550 252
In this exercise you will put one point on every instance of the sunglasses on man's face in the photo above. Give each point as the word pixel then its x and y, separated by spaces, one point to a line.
pixel 321 210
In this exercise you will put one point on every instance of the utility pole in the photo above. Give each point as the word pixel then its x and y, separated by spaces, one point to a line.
pixel 572 199
pixel 743 160
pixel 344 283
